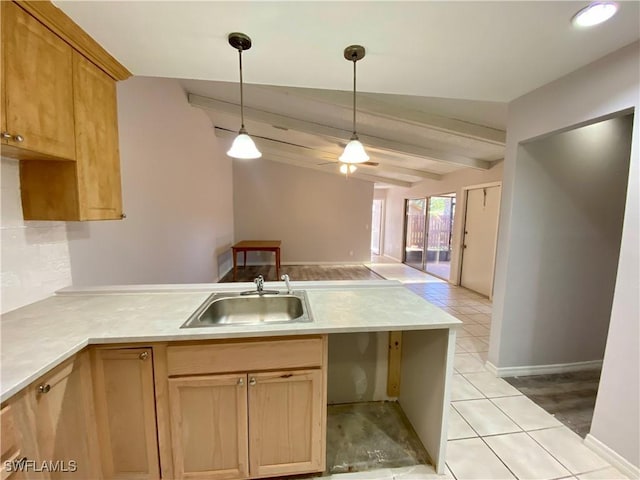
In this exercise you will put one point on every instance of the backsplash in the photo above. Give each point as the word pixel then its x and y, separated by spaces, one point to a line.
pixel 35 255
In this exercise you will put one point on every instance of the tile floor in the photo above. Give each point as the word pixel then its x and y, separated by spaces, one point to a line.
pixel 495 432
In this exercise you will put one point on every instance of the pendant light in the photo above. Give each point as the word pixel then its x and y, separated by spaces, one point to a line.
pixel 243 146
pixel 354 151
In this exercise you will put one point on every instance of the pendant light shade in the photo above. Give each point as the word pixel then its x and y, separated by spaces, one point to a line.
pixel 243 146
pixel 354 152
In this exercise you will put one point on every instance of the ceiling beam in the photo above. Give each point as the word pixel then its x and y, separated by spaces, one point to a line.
pixel 408 117
pixel 334 133
pixel 276 145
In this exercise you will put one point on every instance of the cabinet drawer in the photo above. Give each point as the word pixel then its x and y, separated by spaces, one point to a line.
pixel 246 355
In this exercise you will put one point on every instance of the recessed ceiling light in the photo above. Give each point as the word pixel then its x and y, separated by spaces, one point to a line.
pixel 595 13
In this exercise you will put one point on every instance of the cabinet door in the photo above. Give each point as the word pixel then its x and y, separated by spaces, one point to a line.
pixel 38 85
pixel 97 151
pixel 209 426
pixel 285 422
pixel 125 412
pixel 64 422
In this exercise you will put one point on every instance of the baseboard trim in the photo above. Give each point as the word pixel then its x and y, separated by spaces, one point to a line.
pixel 491 367
pixel 352 262
pixel 253 263
pixel 611 456
pixel 223 275
pixel 543 369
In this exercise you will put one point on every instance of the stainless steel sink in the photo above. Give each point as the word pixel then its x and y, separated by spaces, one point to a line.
pixel 236 309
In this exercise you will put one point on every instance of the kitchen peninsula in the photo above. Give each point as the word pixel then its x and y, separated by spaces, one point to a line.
pixel 132 334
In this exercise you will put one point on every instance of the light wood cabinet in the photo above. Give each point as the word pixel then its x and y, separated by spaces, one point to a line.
pixel 286 422
pixel 97 151
pixel 249 424
pixel 209 426
pixel 11 451
pixel 59 115
pixel 38 87
pixel 64 423
pixel 125 412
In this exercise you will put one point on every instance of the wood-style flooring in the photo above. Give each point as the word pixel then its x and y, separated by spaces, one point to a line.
pixel 303 273
pixel 570 397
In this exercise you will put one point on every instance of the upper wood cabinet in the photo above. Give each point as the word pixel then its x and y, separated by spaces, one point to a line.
pixel 125 412
pixel 97 152
pixel 38 86
pixel 59 115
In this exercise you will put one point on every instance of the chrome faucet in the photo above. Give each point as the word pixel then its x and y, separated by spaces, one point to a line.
pixel 259 281
pixel 285 277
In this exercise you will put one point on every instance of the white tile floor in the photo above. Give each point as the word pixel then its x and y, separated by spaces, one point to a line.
pixel 494 431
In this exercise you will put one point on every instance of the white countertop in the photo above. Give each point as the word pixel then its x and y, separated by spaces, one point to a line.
pixel 37 337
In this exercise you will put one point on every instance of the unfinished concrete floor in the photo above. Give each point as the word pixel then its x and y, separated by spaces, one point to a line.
pixel 370 436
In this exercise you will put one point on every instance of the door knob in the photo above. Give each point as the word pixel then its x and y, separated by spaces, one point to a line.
pixel 241 381
pixel 144 355
pixel 18 138
pixel 6 135
pixel 252 382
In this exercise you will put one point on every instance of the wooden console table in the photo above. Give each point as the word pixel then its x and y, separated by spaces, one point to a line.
pixel 256 246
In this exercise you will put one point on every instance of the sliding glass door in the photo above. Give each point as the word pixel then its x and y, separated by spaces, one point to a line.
pixel 441 210
pixel 428 228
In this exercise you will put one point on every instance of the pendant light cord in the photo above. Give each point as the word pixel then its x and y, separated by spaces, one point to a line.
pixel 354 94
pixel 241 94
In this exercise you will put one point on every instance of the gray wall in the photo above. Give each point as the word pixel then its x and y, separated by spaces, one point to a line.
pixel 319 217
pixel 610 85
pixel 568 216
pixel 176 183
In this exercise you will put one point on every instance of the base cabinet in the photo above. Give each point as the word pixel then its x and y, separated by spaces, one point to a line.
pixel 247 423
pixel 118 412
pixel 285 422
pixel 58 426
pixel 125 412
pixel 209 426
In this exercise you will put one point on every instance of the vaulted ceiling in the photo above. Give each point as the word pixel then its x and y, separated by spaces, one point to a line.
pixel 433 86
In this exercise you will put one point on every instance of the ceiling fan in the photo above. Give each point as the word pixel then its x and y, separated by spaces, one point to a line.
pixel 337 162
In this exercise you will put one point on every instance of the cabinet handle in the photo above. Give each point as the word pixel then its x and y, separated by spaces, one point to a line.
pixel 144 355
pixel 252 381
pixel 123 215
pixel 241 381
pixel 44 388
pixel 7 136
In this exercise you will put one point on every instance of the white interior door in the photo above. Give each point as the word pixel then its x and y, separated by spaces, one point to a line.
pixel 480 235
